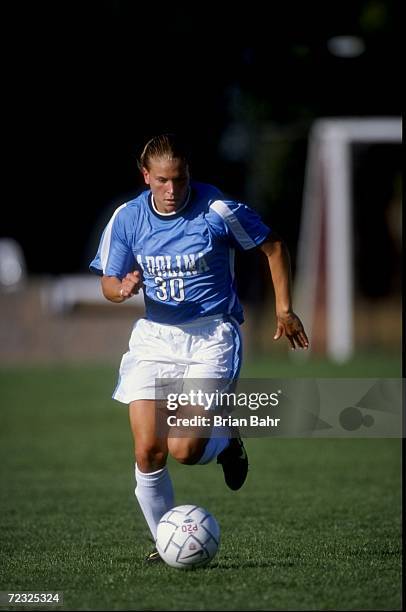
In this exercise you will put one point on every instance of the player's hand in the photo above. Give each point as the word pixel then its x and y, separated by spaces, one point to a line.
pixel 290 325
pixel 131 284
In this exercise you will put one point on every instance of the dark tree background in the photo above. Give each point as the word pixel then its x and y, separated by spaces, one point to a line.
pixel 86 83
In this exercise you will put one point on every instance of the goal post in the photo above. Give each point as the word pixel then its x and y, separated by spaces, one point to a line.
pixel 324 281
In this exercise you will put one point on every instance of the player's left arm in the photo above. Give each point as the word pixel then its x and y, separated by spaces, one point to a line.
pixel 288 323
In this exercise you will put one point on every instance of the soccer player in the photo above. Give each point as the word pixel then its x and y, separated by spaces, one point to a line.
pixel 176 241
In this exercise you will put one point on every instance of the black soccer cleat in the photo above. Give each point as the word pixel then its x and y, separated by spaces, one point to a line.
pixel 234 461
pixel 153 557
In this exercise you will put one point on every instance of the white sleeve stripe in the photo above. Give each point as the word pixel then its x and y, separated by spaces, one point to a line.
pixel 235 226
pixel 106 241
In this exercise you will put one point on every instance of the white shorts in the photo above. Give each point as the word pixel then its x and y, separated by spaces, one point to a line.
pixel 209 347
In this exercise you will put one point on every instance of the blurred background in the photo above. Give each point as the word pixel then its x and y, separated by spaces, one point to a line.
pixel 257 93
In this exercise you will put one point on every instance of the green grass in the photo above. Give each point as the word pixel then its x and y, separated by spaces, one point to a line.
pixel 362 366
pixel 316 527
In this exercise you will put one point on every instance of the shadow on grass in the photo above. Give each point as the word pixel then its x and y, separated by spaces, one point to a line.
pixel 260 563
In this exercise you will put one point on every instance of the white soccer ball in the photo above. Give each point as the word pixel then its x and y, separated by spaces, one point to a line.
pixel 187 536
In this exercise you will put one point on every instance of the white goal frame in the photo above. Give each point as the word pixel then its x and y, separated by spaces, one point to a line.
pixel 328 194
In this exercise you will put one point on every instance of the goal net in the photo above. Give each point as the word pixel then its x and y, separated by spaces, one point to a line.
pixel 326 278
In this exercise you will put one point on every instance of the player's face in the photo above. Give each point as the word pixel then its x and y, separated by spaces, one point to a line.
pixel 169 182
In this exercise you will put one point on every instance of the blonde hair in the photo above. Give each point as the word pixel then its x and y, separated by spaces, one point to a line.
pixel 165 145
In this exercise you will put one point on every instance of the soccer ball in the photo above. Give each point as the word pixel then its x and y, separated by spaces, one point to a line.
pixel 187 536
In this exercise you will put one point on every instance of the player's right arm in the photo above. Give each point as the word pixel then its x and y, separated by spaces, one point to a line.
pixel 114 261
pixel 117 290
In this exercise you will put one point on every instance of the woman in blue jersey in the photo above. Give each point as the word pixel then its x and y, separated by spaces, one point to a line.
pixel 177 241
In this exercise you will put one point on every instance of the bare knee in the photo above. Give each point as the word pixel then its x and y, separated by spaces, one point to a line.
pixel 186 451
pixel 150 457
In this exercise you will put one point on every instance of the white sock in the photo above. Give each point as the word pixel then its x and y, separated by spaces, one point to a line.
pixel 215 445
pixel 154 492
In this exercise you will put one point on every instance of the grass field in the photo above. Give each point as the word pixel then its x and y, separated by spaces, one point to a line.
pixel 316 527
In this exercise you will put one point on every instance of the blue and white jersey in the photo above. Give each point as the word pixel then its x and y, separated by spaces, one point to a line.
pixel 186 258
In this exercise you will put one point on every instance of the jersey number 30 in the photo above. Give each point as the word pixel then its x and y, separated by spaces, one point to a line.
pixel 172 289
